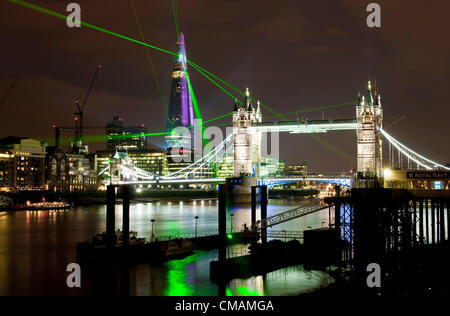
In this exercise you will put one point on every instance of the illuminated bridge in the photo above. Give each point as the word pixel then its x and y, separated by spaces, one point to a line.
pixel 244 143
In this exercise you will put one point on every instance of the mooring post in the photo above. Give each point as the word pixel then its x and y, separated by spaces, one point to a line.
pixel 433 223
pixel 110 215
pixel 222 222
pixel 126 216
pixel 442 220
pixel 253 212
pixel 263 213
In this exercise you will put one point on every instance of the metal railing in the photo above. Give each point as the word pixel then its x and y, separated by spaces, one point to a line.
pixel 204 233
pixel 289 215
pixel 5 201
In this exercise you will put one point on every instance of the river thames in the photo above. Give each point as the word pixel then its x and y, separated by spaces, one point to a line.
pixel 37 246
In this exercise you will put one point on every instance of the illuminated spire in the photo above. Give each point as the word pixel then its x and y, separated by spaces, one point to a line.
pixel 369 94
pixel 376 96
pixel 247 99
pixel 235 109
pixel 258 109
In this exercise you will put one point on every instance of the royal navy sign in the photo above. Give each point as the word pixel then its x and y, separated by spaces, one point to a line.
pixel 428 175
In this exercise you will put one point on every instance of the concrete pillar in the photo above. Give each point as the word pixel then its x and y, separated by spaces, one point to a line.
pixel 222 222
pixel 263 212
pixel 427 226
pixel 126 216
pixel 442 220
pixel 253 211
pixel 110 215
pixel 433 224
pixel 421 241
pixel 448 219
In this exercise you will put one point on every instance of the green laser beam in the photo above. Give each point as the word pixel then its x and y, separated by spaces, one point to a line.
pixel 175 17
pixel 198 115
pixel 312 109
pixel 98 138
pixel 230 85
pixel 204 71
pixel 149 58
pixel 219 117
pixel 61 16
pixel 215 83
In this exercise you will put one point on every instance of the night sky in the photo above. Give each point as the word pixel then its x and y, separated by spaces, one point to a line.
pixel 293 55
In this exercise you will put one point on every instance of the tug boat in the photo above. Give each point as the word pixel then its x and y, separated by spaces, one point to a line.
pixel 98 250
pixel 176 247
pixel 41 206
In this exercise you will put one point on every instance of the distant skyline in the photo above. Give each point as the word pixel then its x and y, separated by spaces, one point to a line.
pixel 292 55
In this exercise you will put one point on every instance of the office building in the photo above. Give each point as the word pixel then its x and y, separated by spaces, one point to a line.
pixel 22 164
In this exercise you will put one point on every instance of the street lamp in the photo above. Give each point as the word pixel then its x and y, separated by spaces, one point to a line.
pixel 196 220
pixel 152 220
pixel 231 222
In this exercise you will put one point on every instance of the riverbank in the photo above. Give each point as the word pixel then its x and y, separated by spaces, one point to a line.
pixel 99 197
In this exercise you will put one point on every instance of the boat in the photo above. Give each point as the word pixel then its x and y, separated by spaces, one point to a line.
pixel 40 206
pixel 100 240
pixel 176 247
pixel 98 250
pixel 139 249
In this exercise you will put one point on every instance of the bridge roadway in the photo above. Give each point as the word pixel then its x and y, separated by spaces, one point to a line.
pixel 306 126
pixel 270 181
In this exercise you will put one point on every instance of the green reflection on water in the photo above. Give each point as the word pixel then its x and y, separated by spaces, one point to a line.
pixel 243 291
pixel 177 282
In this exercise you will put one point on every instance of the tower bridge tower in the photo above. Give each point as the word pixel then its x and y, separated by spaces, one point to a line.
pixel 247 143
pixel 369 116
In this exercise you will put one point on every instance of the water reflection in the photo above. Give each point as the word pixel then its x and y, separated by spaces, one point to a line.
pixel 36 246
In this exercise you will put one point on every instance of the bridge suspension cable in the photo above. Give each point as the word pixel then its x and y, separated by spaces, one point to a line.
pixel 206 162
pixel 417 158
pixel 214 156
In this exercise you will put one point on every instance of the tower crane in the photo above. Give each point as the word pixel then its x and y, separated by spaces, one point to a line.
pixel 8 92
pixel 79 127
pixel 58 130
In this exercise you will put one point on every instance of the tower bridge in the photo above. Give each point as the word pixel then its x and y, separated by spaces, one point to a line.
pixel 245 144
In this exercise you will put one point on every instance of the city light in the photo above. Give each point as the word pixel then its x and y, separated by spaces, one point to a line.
pixel 387 173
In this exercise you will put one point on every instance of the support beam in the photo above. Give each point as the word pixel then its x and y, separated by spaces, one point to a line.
pixel 222 222
pixel 126 216
pixel 110 215
pixel 433 223
pixel 253 210
pixel 421 237
pixel 263 212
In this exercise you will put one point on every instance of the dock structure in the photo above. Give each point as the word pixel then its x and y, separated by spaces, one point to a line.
pixel 375 223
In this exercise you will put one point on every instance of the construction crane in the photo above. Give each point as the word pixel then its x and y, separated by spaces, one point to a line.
pixel 79 127
pixel 59 128
pixel 8 92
